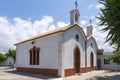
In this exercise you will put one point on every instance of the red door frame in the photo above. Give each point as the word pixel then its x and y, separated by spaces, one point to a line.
pixel 77 63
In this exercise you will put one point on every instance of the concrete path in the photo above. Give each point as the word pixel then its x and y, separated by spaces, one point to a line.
pixel 11 74
pixel 86 76
pixel 109 75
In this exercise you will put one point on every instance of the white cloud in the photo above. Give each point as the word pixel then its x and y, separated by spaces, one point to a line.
pixel 3 20
pixel 99 35
pixel 20 29
pixel 95 6
pixel 52 27
pixel 90 6
pixel 98 6
pixel 41 25
pixel 83 22
pixel 61 24
pixel 100 38
pixel 92 17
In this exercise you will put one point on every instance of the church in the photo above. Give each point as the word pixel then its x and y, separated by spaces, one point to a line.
pixel 62 52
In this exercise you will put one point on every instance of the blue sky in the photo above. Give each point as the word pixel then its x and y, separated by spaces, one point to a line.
pixel 35 9
pixel 21 19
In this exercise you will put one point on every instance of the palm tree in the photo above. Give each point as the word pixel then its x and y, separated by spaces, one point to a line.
pixel 110 19
pixel 11 53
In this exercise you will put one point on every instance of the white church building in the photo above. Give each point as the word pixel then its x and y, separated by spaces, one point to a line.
pixel 62 52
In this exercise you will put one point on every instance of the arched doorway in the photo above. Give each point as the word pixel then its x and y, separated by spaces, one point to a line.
pixel 77 60
pixel 92 61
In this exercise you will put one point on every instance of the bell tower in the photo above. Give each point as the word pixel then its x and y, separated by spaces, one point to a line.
pixel 89 29
pixel 74 15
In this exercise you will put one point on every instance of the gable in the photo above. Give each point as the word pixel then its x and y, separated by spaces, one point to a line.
pixel 91 41
pixel 63 29
pixel 75 29
pixel 72 33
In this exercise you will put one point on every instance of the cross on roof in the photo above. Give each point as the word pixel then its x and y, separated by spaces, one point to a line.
pixel 90 21
pixel 76 4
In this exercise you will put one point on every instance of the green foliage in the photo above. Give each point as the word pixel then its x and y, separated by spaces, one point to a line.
pixel 115 57
pixel 110 19
pixel 2 58
pixel 11 53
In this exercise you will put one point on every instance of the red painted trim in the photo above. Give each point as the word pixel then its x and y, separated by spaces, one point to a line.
pixel 41 71
pixel 32 56
pixel 77 48
pixel 36 55
pixel 86 56
pixel 92 60
pixel 69 72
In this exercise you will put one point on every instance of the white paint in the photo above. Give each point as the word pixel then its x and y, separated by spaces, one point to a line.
pixel 89 30
pixel 110 66
pixel 8 62
pixel 69 45
pixel 48 54
pixel 90 49
pixel 57 51
pixel 74 16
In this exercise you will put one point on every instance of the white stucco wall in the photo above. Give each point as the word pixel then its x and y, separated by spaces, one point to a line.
pixel 8 61
pixel 48 57
pixel 110 66
pixel 57 51
pixel 90 49
pixel 69 45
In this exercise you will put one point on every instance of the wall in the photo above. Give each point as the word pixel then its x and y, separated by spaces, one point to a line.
pixel 48 58
pixel 90 49
pixel 110 66
pixel 69 44
pixel 8 62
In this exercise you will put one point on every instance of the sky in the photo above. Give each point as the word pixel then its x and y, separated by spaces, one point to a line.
pixel 22 19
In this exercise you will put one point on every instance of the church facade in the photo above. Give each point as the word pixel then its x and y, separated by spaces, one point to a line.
pixel 62 52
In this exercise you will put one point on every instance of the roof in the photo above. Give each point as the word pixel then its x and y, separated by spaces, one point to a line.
pixel 88 37
pixel 57 31
pixel 48 33
pixel 91 37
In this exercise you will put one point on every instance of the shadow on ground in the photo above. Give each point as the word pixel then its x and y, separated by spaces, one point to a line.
pixel 106 77
pixel 116 77
pixel 29 75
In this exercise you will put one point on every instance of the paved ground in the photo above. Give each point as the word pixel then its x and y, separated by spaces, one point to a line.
pixel 85 76
pixel 10 74
pixel 110 75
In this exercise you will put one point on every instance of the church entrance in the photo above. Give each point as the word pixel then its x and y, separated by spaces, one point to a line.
pixel 77 60
pixel 92 62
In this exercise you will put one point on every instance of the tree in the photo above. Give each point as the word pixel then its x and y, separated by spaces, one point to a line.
pixel 11 53
pixel 2 58
pixel 115 57
pixel 110 19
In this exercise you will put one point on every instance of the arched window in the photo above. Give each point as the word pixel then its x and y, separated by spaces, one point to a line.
pixel 77 37
pixel 91 44
pixel 34 55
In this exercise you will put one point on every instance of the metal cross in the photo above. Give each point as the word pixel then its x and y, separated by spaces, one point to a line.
pixel 90 21
pixel 76 4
